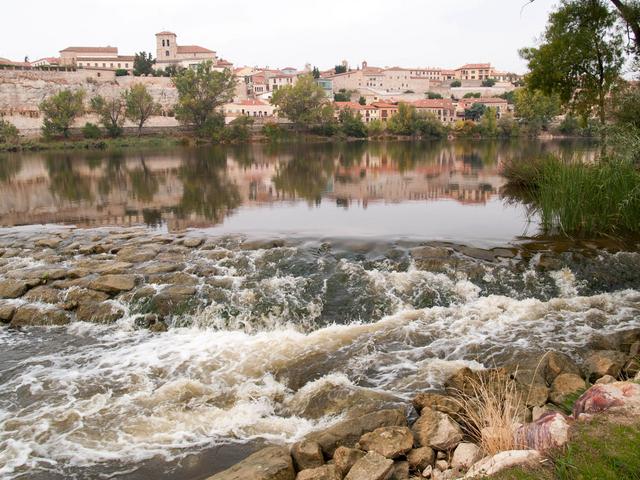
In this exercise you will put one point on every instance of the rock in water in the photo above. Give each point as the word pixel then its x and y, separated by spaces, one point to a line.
pixel 12 288
pixel 551 430
pixel 271 463
pixel 465 455
pixel 502 461
pixel 390 442
pixel 436 430
pixel 618 395
pixel 345 458
pixel 372 466
pixel 307 454
pixel 31 315
pixel 349 431
pixel 114 284
pixel 326 472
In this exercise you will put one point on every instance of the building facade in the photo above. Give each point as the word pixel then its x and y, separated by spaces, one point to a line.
pixel 95 58
pixel 169 53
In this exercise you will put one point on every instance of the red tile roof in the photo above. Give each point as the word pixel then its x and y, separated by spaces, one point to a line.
pixel 474 65
pixel 193 49
pixel 251 102
pixel 434 103
pixel 91 49
pixel 166 33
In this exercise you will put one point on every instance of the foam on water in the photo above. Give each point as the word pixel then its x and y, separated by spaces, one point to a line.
pixel 132 395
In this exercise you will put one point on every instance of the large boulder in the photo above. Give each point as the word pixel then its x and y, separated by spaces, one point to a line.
pixel 503 460
pixel 619 395
pixel 436 430
pixel 550 431
pixel 465 455
pixel 390 442
pixel 114 284
pixel 325 472
pixel 7 310
pixel 532 387
pixel 43 294
pixel 604 362
pixel 271 463
pixel 33 315
pixel 307 454
pixel 564 386
pixel 348 432
pixel 436 401
pixel 135 254
pixel 103 312
pixel 12 288
pixel 372 466
pixel 344 458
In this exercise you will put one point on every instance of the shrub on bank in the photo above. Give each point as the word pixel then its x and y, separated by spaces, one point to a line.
pixel 91 131
pixel 8 132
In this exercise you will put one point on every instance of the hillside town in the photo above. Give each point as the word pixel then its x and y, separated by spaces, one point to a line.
pixel 372 92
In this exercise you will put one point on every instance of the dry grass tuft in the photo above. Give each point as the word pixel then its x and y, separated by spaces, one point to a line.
pixel 492 408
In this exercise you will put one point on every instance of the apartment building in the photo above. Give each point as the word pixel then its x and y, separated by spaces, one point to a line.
pixel 95 58
pixel 443 109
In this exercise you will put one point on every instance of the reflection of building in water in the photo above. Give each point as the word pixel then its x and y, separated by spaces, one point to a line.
pixel 199 189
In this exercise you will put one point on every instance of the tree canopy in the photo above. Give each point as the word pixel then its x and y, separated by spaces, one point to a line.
pixel 201 93
pixel 143 64
pixel 139 105
pixel 111 112
pixel 580 57
pixel 60 110
pixel 301 103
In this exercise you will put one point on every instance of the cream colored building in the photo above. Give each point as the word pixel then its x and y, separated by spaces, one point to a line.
pixel 249 108
pixel 443 109
pixel 475 71
pixel 368 113
pixel 95 58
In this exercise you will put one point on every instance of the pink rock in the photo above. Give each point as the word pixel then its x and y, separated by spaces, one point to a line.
pixel 607 396
pixel 551 430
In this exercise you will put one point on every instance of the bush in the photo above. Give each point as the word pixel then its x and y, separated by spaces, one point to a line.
pixel 239 130
pixel 375 128
pixel 273 132
pixel 60 110
pixel 351 124
pixel 456 83
pixel 433 95
pixel 430 127
pixel 472 95
pixel 121 72
pixel 569 125
pixel 91 130
pixel 489 82
pixel 8 132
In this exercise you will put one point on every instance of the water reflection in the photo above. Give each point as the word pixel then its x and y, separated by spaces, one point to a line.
pixel 206 187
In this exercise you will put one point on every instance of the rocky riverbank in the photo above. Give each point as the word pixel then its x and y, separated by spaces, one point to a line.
pixel 440 437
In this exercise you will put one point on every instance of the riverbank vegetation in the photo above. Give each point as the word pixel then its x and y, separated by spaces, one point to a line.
pixel 577 69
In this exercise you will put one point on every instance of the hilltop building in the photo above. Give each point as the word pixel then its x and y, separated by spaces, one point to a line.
pixel 168 52
pixel 100 58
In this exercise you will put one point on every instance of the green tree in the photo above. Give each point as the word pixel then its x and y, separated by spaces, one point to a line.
pixel 375 128
pixel 8 132
pixel 472 95
pixel 626 106
pixel 111 112
pixel 456 83
pixel 535 109
pixel 489 82
pixel 580 57
pixel 343 95
pixel 429 126
pixel 362 100
pixel 507 126
pixel 352 124
pixel 510 96
pixel 405 122
pixel 60 110
pixel 315 72
pixel 475 112
pixel 139 105
pixel 433 95
pixel 489 122
pixel 301 103
pixel 143 64
pixel 201 94
pixel 340 69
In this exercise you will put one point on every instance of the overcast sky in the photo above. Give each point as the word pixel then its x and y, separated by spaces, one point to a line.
pixel 281 33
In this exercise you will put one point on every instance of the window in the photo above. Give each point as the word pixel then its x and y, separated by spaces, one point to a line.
pixel 104 65
pixel 111 65
pixel 126 65
pixel 163 43
pixel 167 43
pixel 166 54
pixel 118 65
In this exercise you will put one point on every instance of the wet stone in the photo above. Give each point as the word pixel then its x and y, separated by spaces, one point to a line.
pixel 49 242
pixel 104 312
pixel 136 254
pixel 372 466
pixel 31 315
pixel 192 242
pixel 42 294
pixel 307 454
pixel 390 442
pixel 6 311
pixel 12 288
pixel 325 472
pixel 344 458
pixel 114 284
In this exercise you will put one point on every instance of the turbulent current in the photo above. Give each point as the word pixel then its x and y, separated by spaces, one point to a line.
pixel 270 328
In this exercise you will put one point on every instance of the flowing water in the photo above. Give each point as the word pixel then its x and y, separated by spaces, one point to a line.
pixel 358 271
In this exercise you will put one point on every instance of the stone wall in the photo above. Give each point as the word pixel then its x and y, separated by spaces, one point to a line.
pixel 21 91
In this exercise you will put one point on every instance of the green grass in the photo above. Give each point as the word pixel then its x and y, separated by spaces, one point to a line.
pixel 600 449
pixel 579 199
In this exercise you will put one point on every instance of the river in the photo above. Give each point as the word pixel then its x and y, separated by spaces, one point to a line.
pixel 315 274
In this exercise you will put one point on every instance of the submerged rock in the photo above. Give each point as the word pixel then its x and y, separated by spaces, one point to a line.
pixel 436 430
pixel 502 461
pixel 372 466
pixel 348 432
pixel 390 442
pixel 271 463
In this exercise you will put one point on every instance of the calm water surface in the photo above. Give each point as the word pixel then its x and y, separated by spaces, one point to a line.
pixel 434 191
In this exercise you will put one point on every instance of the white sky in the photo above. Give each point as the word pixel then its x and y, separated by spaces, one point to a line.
pixel 281 33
